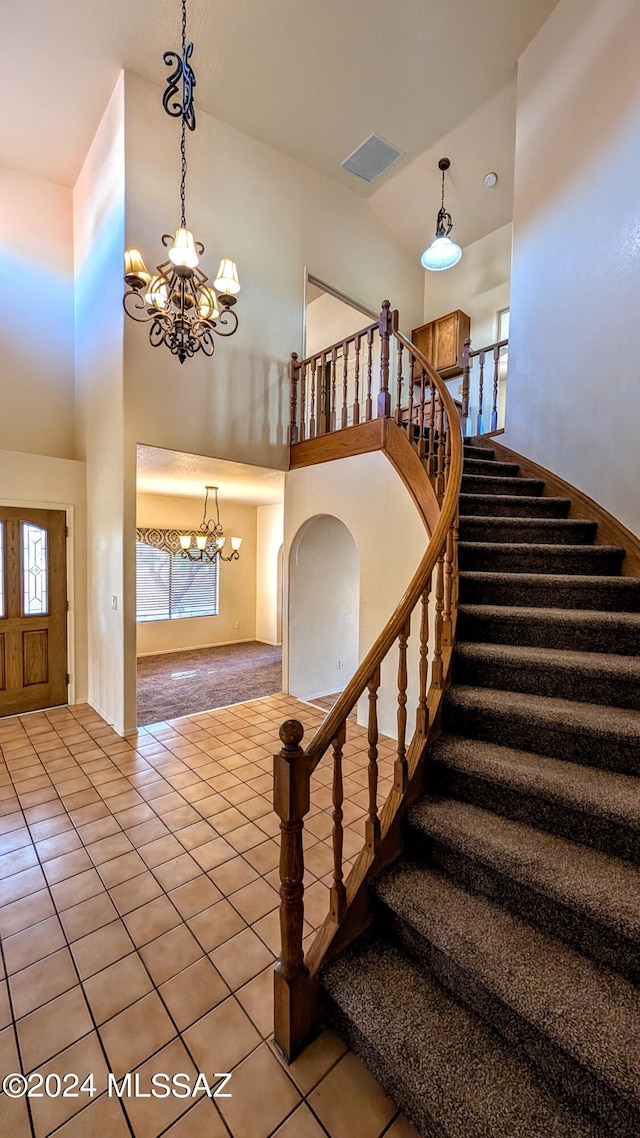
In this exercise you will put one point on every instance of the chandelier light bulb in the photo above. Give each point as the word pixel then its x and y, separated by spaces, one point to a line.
pixel 208 305
pixel 236 542
pixel 183 251
pixel 158 294
pixel 185 541
pixel 227 279
pixel 201 541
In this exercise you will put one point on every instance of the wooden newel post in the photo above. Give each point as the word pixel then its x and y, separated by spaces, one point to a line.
pixel 294 368
pixel 293 1000
pixel 384 395
pixel 464 414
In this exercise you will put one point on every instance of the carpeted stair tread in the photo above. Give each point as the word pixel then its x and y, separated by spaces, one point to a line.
pixel 522 557
pixel 588 677
pixel 512 505
pixel 545 531
pixel 495 469
pixel 602 888
pixel 453 1076
pixel 569 1014
pixel 583 629
pixel 592 734
pixel 552 590
pixel 599 795
pixel 478 452
pixel 486 484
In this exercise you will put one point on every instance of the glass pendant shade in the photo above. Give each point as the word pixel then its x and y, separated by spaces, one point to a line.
pixel 158 294
pixel 227 279
pixel 208 305
pixel 236 542
pixel 183 250
pixel 201 542
pixel 185 541
pixel 135 270
pixel 442 253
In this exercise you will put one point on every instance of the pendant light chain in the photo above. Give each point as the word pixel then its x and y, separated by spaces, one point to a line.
pixel 185 111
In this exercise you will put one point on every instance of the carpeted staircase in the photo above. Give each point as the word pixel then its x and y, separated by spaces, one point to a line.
pixel 495 995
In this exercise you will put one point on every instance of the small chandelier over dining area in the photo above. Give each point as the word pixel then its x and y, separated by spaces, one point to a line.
pixel 207 544
pixel 442 253
pixel 183 309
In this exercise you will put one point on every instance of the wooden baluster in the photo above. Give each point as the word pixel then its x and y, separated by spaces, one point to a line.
pixel 372 824
pixel 496 379
pixel 332 399
pixel 384 395
pixel 356 385
pixel 422 714
pixel 480 429
pixel 294 368
pixel 302 433
pixel 369 404
pixel 323 419
pixel 345 380
pixel 312 416
pixel 399 383
pixel 440 453
pixel 432 434
pixel 466 383
pixel 446 442
pixel 436 669
pixel 422 442
pixel 293 1008
pixel 410 423
pixel 401 768
pixel 338 902
pixel 447 625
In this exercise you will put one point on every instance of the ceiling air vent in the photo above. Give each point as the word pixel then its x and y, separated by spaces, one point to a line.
pixel 370 158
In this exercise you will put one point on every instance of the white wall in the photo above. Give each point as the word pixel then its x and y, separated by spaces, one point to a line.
pixel 574 398
pixel 269 537
pixel 98 200
pixel 324 587
pixel 58 484
pixel 237 588
pixel 366 494
pixel 36 275
pixel 329 320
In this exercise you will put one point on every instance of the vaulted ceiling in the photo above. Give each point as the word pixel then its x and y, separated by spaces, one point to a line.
pixel 312 78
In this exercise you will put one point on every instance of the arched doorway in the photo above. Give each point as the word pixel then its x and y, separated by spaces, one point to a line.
pixel 324 597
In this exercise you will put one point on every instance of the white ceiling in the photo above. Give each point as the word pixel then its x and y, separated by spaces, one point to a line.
pixel 312 78
pixel 181 475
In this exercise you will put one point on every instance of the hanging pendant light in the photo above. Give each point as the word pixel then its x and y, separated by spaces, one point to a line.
pixel 442 253
pixel 183 309
pixel 209 540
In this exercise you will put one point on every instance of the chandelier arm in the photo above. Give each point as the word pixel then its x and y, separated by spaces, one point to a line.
pixel 136 307
pixel 229 318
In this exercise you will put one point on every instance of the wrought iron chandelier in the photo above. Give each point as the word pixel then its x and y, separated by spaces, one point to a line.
pixel 184 311
pixel 442 253
pixel 210 539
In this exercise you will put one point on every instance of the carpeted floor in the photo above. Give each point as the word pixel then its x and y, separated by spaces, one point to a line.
pixel 183 683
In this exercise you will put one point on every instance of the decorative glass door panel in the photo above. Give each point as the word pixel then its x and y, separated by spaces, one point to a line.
pixel 33 609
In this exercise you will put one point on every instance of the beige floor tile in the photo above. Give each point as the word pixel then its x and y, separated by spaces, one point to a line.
pixel 401 1128
pixel 5 1006
pixel 136 1033
pixel 66 842
pixel 151 920
pixel 95 831
pixel 265 856
pixel 103 1118
pixel 21 885
pixel 177 871
pixel 25 912
pixel 201 1121
pixel 170 954
pixel 255 900
pixel 194 896
pixel 350 1102
pixel 301 1124
pixel 233 875
pixel 121 869
pixel 256 998
pixel 112 990
pixel 268 929
pixel 262 1096
pixel 53 1027
pixel 77 889
pixel 221 1039
pixel 82 1057
pixel 241 958
pixel 88 915
pixel 216 925
pixel 42 982
pixel 34 943
pixel 316 1060
pixel 246 837
pixel 135 892
pixel 150 1117
pixel 160 851
pixel 98 949
pixel 193 993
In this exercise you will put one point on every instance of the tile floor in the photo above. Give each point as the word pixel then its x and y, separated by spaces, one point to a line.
pixel 139 926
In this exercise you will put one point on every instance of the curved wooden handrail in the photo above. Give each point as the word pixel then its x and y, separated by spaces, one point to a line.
pixel 431 466
pixel 358 682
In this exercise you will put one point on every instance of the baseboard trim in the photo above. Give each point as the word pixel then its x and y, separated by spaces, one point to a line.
pixel 195 647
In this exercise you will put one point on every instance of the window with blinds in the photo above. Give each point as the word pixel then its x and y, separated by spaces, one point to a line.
pixel 170 587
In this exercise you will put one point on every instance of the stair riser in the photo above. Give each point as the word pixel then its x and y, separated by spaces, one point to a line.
pixel 479 452
pixel 512 506
pixel 592 561
pixel 516 729
pixel 538 633
pixel 504 530
pixel 478 484
pixel 602 943
pixel 549 680
pixel 493 469
pixel 567 1076
pixel 612 596
pixel 543 814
